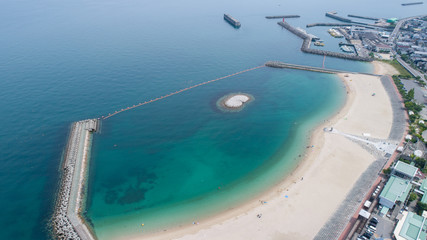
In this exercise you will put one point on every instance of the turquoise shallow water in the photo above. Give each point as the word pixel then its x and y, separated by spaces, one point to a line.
pixel 194 159
pixel 65 61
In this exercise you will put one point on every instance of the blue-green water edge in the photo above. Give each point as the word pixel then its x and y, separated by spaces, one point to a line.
pixel 199 160
pixel 70 60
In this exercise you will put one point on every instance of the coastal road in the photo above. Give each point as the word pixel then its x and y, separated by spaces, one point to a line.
pixel 408 67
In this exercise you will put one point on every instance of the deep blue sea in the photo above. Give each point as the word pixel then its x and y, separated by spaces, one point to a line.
pixel 64 61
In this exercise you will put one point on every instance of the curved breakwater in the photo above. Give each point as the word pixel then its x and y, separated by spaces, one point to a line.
pixel 307 41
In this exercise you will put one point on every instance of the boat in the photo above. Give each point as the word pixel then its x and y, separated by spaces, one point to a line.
pixel 232 21
pixel 334 33
pixel 347 49
pixel 320 44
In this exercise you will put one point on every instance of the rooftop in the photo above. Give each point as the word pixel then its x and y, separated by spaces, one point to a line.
pixel 405 168
pixel 396 189
pixel 411 227
pixel 423 188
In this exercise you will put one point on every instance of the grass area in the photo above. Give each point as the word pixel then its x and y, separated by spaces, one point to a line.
pixel 403 73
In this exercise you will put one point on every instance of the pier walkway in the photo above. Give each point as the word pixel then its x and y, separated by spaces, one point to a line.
pixel 67 220
pixel 277 64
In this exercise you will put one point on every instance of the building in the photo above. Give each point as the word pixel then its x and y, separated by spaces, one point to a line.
pixel 396 190
pixel 404 170
pixel 423 188
pixel 411 227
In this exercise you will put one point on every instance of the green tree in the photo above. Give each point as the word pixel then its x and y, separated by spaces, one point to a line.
pixel 410 95
pixel 412 197
pixel 420 163
pixel 387 171
pixel 421 207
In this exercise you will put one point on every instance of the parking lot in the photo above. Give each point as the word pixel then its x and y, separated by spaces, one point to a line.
pixel 384 228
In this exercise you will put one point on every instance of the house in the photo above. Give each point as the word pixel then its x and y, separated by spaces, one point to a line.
pixel 411 227
pixel 404 170
pixel 396 190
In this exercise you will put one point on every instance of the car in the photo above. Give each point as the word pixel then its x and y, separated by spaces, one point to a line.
pixel 374 229
pixel 372 224
pixel 374 220
pixel 368 234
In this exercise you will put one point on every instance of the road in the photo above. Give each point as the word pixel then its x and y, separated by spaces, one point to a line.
pixel 408 67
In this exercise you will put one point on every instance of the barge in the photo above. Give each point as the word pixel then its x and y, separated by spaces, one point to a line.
pixel 232 21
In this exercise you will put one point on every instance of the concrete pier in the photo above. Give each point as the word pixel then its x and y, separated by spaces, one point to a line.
pixel 335 16
pixel 67 220
pixel 362 17
pixel 307 41
pixel 277 64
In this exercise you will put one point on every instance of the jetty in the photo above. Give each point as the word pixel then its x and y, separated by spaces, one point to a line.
pixel 283 16
pixel 362 17
pixel 330 24
pixel 335 16
pixel 307 41
pixel 68 222
pixel 233 22
pixel 278 64
pixel 412 3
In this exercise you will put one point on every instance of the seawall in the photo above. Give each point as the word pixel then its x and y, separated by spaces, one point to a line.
pixel 283 16
pixel 67 221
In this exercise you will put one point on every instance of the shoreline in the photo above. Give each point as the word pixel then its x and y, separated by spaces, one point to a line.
pixel 290 182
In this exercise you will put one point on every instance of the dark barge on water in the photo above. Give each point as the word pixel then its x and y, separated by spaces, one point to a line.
pixel 231 21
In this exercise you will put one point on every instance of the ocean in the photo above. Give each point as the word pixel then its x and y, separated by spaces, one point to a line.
pixel 182 157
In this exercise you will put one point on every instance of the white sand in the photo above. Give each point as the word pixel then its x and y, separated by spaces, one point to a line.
pixel 383 68
pixel 236 101
pixel 329 171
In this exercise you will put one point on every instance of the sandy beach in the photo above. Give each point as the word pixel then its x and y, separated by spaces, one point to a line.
pixel 298 207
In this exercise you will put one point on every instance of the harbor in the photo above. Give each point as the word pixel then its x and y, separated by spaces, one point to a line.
pixel 307 41
pixel 68 222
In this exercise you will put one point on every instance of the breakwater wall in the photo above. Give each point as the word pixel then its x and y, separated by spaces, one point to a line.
pixel 362 17
pixel 335 16
pixel 307 41
pixel 67 222
pixel 278 64
pixel 283 16
pixel 413 3
pixel 330 24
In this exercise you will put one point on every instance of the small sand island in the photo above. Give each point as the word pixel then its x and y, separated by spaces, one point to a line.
pixel 234 101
